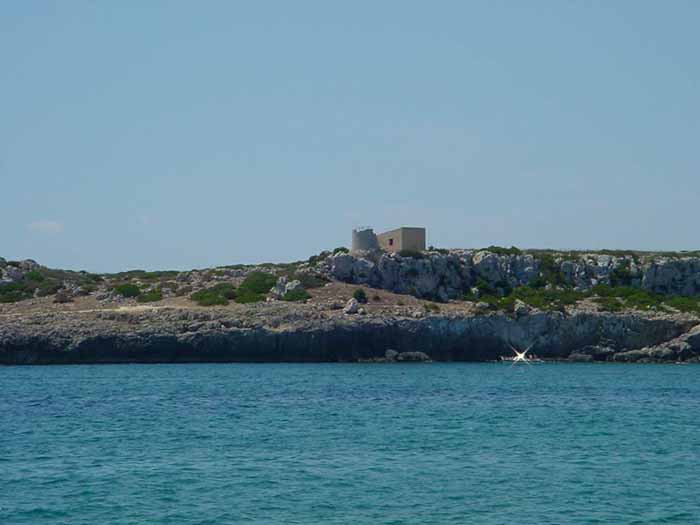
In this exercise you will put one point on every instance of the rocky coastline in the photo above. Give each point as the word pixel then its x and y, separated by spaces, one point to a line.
pixel 308 334
pixel 395 324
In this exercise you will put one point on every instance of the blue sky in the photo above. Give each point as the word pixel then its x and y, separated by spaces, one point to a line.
pixel 188 134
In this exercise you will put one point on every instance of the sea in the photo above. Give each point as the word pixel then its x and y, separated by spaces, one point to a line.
pixel 350 444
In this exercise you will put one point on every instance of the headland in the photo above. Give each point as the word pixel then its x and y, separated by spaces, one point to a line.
pixel 441 305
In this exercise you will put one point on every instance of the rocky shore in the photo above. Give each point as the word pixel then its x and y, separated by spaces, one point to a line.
pixel 273 332
pixel 84 319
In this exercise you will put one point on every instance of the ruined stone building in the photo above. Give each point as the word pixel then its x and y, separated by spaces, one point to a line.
pixel 404 238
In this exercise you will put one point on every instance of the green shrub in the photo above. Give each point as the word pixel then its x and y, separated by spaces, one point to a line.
pixel 13 292
pixel 484 287
pixel 550 272
pixel 340 249
pixel 258 282
pixel 34 275
pixel 226 290
pixel 684 304
pixel 255 287
pixel 207 297
pixel 308 280
pixel 48 287
pixel 246 297
pixel 298 294
pixel 150 297
pixel 127 290
pixel 360 296
pixel 500 250
pixel 376 298
pixel 219 294
pixel 622 275
pixel 608 304
pixel 315 259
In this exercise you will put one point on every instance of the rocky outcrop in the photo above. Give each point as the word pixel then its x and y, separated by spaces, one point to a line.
pixel 273 332
pixel 681 348
pixel 450 274
pixel 283 286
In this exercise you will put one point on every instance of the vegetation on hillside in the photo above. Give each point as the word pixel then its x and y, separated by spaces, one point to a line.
pixel 219 294
pixel 44 281
pixel 608 298
pixel 360 295
pixel 255 287
pixel 296 295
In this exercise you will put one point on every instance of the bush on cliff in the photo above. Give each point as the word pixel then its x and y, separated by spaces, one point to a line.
pixel 207 298
pixel 315 259
pixel 127 290
pixel 34 275
pixel 307 280
pixel 550 273
pixel 150 297
pixel 255 287
pixel 360 295
pixel 298 294
pixel 500 250
pixel 13 292
pixel 219 294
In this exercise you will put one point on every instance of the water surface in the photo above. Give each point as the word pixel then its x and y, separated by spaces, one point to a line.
pixel 349 443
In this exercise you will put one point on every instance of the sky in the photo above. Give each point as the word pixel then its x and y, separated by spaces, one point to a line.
pixel 186 134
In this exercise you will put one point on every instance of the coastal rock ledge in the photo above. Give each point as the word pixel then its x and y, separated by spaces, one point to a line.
pixel 279 334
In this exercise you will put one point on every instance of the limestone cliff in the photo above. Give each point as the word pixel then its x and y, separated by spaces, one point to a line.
pixel 450 274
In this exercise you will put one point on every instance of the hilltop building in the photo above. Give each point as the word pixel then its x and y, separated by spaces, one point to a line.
pixel 404 238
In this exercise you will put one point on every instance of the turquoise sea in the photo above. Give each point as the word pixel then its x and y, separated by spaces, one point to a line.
pixel 349 444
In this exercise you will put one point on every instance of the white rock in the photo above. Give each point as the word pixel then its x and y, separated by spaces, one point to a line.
pixel 352 306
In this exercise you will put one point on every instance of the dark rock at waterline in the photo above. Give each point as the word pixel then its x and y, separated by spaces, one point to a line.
pixel 269 335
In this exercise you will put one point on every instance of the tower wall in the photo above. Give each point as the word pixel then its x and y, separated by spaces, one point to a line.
pixel 364 240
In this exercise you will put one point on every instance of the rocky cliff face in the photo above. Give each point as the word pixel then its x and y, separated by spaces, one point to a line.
pixel 450 274
pixel 278 333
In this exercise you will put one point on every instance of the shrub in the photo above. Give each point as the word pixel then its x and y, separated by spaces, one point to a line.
pixel 255 287
pixel 127 290
pixel 308 280
pixel 340 249
pixel 684 304
pixel 246 296
pixel 207 297
pixel 376 298
pixel 226 290
pixel 621 276
pixel 608 304
pixel 150 297
pixel 484 287
pixel 86 289
pixel 550 272
pixel 298 294
pixel 360 296
pixel 47 287
pixel 258 282
pixel 500 250
pixel 13 292
pixel 34 275
pixel 315 259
